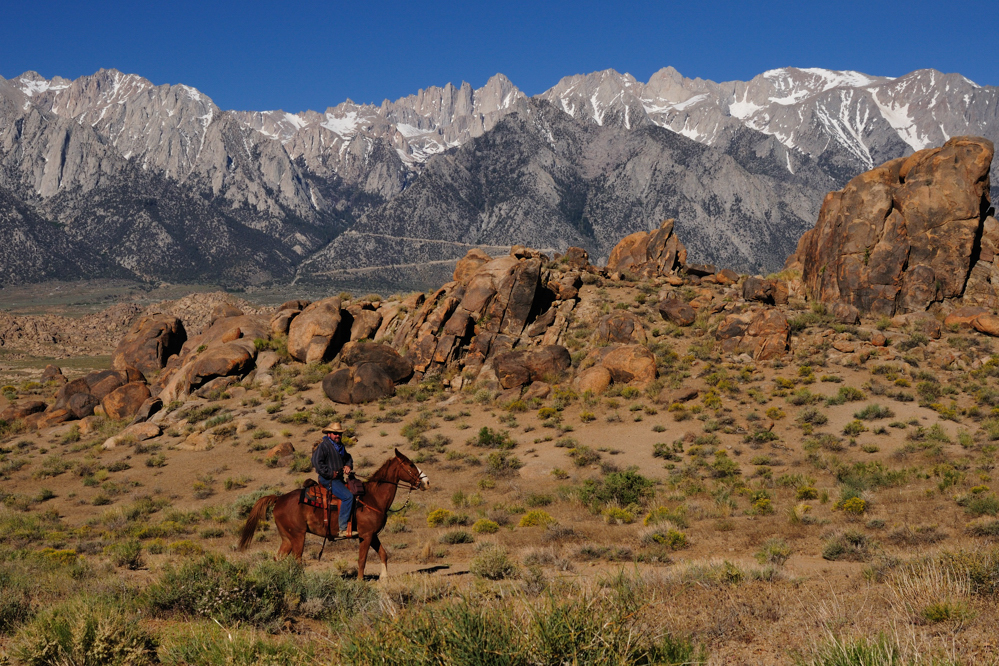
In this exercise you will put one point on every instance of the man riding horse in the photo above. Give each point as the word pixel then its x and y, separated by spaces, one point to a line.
pixel 334 464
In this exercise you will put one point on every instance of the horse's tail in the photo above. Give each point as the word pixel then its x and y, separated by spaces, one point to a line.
pixel 259 511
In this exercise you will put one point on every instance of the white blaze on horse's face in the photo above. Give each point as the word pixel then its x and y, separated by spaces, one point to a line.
pixel 424 480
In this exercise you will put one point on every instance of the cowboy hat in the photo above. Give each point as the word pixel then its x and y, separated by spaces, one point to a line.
pixel 334 427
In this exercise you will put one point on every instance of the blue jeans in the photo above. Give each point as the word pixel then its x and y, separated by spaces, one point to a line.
pixel 339 490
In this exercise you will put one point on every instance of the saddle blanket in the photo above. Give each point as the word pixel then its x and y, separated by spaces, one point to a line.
pixel 314 494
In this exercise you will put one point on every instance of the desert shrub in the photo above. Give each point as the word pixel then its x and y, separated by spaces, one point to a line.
pixel 812 416
pixel 837 651
pixel 535 518
pixel 210 645
pixel 126 554
pixel 844 395
pixel 615 514
pixel 445 518
pixel 628 487
pixel 806 493
pixel 724 467
pixel 538 499
pixel 485 526
pixel 854 505
pixel 493 439
pixel 212 586
pixel 454 537
pixel 984 529
pixel 854 428
pixel 774 552
pixel 84 632
pixel 15 606
pixel 874 411
pixel 851 545
pixel 664 535
pixel 584 456
pixel 501 463
pixel 677 516
pixel 980 505
pixel 493 563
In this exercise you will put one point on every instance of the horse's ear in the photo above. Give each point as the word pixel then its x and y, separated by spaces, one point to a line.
pixel 401 456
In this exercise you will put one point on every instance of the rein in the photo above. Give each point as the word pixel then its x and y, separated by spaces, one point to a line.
pixel 397 484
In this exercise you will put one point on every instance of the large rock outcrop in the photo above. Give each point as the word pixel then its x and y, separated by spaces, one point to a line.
pixel 151 342
pixel 907 234
pixel 649 254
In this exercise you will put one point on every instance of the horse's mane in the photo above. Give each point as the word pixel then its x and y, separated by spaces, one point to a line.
pixel 382 471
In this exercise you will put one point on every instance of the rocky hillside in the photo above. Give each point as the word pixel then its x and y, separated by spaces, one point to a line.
pixel 162 184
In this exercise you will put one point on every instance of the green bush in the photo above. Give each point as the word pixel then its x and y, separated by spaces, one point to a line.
pixel 84 632
pixel 584 456
pixel 126 554
pixel 212 586
pixel 535 518
pixel 485 526
pixel 457 536
pixel 850 545
pixel 493 563
pixel 211 645
pixel 493 439
pixel 873 411
pixel 501 463
pixel 15 607
pixel 774 551
pixel 625 488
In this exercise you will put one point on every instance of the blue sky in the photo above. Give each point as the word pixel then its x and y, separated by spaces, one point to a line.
pixel 310 55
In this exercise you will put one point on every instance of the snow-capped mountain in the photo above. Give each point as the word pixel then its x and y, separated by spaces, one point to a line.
pixel 114 159
pixel 848 120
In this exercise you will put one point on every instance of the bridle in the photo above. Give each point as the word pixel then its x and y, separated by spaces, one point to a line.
pixel 409 483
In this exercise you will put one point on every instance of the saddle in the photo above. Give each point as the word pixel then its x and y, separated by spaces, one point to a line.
pixel 315 495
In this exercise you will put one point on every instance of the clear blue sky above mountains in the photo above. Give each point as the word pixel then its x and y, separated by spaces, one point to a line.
pixel 310 55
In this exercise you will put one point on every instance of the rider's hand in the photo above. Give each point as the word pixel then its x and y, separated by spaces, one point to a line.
pixel 347 469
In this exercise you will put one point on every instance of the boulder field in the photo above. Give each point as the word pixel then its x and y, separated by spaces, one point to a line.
pixel 914 239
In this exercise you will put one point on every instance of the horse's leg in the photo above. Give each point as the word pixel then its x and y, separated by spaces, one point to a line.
pixel 362 556
pixel 382 554
pixel 285 535
pixel 298 545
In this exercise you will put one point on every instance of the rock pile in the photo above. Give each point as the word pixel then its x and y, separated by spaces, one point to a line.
pixel 914 232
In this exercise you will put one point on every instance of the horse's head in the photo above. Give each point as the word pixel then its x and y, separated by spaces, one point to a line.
pixel 412 474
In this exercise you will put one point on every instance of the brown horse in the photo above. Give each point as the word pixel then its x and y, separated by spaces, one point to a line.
pixel 294 519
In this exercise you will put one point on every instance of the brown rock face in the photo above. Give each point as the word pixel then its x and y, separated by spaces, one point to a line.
pixel 902 236
pixel 397 367
pixel 577 258
pixel 987 324
pixel 150 342
pixel 676 311
pixel 358 384
pixel 81 404
pixel 470 263
pixel 771 292
pixel 768 335
pixel 621 328
pixel 521 367
pixel 649 254
pixel 125 401
pixel 596 379
pixel 281 320
pixel 630 363
pixel 280 451
pixel 316 334
pixel 22 410
pixel 366 323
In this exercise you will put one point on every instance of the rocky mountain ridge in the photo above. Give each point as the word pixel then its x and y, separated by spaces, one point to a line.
pixel 161 183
